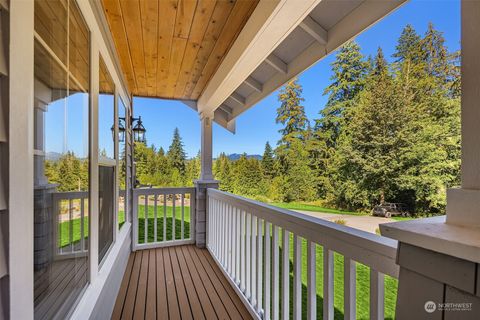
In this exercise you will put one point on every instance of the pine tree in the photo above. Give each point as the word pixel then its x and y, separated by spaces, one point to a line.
pixel 268 162
pixel 370 149
pixel 291 113
pixel 408 45
pixel 176 154
pixel 348 80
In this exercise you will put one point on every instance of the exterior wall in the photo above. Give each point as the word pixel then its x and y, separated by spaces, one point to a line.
pixel 17 166
pixel 4 30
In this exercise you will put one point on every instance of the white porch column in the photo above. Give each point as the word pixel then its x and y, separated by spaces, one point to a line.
pixel 463 204
pixel 206 180
pixel 206 146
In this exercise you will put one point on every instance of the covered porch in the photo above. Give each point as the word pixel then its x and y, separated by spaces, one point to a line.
pixel 198 252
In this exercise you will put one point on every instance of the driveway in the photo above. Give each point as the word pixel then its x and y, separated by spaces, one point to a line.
pixel 365 223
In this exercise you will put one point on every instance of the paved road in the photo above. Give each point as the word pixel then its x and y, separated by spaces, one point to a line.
pixel 365 223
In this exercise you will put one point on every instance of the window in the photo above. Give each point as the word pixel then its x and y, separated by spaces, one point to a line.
pixel 106 159
pixel 61 157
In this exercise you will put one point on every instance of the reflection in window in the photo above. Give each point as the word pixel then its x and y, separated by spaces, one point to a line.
pixel 106 170
pixel 61 161
pixel 106 203
pixel 122 164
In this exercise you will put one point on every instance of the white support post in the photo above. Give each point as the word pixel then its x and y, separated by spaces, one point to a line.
pixel 93 201
pixel 463 205
pixel 21 152
pixel 206 179
pixel 206 146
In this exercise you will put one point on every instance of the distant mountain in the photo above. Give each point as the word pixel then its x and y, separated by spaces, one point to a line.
pixel 236 156
pixel 53 156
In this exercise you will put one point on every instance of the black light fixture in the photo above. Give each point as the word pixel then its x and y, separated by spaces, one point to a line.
pixel 138 130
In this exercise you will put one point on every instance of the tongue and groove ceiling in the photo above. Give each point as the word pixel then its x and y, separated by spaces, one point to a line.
pixel 170 49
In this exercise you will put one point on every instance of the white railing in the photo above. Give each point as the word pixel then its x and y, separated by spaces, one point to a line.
pixel 70 224
pixel 243 237
pixel 163 217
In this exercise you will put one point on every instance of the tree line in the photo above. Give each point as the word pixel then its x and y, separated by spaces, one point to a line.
pixel 389 132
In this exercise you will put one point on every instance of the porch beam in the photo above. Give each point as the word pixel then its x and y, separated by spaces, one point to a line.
pixel 277 63
pixel 359 19
pixel 254 84
pixel 238 98
pixel 270 23
pixel 315 30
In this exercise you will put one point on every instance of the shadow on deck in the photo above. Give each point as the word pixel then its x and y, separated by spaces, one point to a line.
pixel 181 282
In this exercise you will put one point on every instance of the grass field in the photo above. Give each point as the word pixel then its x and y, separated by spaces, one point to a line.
pixel 313 207
pixel 363 272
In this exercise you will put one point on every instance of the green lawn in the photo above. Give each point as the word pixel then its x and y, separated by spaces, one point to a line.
pixel 313 207
pixel 169 224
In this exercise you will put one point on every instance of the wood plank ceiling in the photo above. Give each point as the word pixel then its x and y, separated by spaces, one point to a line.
pixel 171 48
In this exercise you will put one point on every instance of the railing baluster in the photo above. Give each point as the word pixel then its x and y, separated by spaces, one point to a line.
pixel 297 278
pixel 234 244
pixel 248 244
pixel 311 281
pixel 174 199
pixel 242 251
pixel 286 275
pixel 259 264
pixel 164 217
pixel 70 222
pixel 231 240
pixel 275 275
pixel 238 244
pixel 377 295
pixel 145 221
pixel 327 284
pixel 155 217
pixel 227 237
pixel 349 281
pixel 82 223
pixel 224 205
pixel 183 216
pixel 267 288
pixel 253 261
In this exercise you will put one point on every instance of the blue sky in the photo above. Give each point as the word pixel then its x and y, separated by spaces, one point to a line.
pixel 257 125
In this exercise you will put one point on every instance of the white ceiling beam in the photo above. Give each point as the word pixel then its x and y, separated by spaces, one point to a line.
pixel 359 19
pixel 254 84
pixel 227 109
pixel 315 30
pixel 277 63
pixel 222 119
pixel 238 98
pixel 270 23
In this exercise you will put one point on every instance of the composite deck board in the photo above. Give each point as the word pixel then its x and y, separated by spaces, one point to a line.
pixel 180 282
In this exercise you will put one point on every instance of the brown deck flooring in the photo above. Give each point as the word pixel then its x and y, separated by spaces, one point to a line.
pixel 181 282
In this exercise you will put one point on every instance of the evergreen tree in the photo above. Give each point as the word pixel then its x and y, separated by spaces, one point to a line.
pixel 348 80
pixel 268 165
pixel 223 172
pixel 176 154
pixel 291 113
pixel 371 146
pixel 247 174
pixel 408 45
